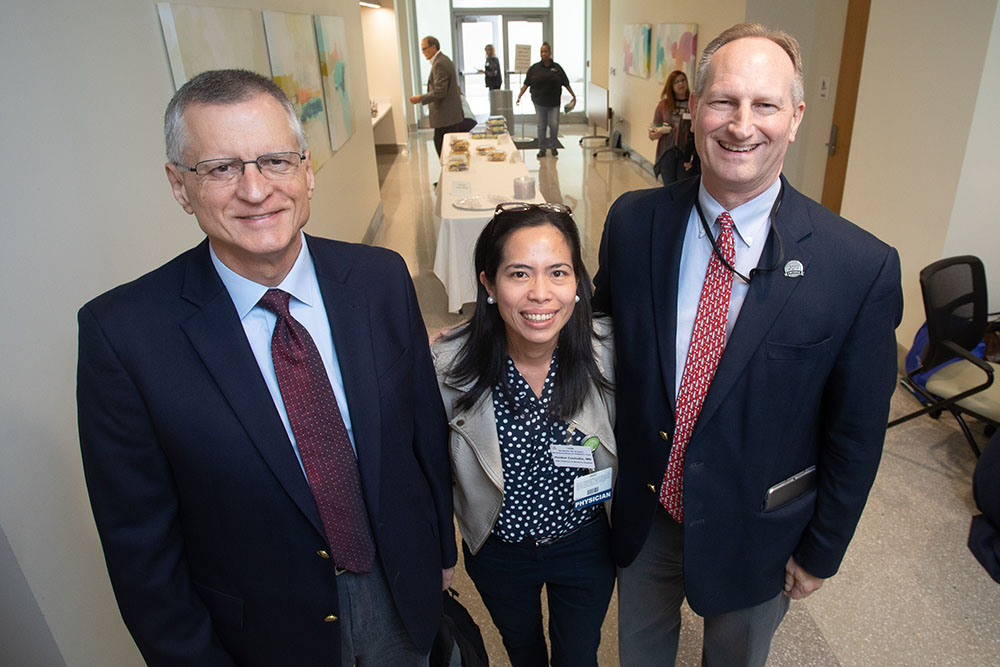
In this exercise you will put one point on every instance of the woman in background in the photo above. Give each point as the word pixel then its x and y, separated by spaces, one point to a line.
pixel 530 371
pixel 546 78
pixel 671 130
pixel 494 77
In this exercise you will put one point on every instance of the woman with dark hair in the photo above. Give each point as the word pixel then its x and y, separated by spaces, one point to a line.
pixel 526 384
pixel 671 130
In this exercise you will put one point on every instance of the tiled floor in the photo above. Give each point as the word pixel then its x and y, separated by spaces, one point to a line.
pixel 909 592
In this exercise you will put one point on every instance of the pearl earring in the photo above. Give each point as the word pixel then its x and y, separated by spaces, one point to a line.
pixel 577 299
pixel 490 300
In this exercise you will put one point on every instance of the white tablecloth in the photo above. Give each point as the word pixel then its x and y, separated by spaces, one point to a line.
pixel 453 263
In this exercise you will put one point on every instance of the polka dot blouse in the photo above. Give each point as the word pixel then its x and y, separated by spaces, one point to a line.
pixel 538 495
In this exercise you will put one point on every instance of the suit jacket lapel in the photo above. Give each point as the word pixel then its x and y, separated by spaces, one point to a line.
pixel 347 310
pixel 667 241
pixel 766 297
pixel 217 335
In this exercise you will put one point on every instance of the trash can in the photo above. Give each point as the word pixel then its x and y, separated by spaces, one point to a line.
pixel 502 104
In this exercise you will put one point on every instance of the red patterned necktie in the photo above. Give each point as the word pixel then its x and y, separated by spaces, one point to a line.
pixel 321 437
pixel 707 340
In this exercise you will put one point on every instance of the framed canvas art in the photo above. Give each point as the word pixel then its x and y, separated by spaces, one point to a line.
pixel 204 38
pixel 331 39
pixel 291 45
pixel 676 48
pixel 636 47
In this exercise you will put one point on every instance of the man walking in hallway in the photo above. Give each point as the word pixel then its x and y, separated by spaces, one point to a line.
pixel 443 96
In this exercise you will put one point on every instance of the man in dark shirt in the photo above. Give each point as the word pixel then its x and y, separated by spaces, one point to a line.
pixel 546 79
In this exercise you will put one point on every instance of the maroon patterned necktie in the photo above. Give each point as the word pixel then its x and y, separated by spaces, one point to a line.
pixel 707 340
pixel 324 446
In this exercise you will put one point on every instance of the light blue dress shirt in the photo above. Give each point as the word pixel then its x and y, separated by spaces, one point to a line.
pixel 751 222
pixel 306 306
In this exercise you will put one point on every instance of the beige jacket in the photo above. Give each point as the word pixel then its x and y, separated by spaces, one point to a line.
pixel 443 95
pixel 475 447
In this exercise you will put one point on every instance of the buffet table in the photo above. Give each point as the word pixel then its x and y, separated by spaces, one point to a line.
pixel 482 186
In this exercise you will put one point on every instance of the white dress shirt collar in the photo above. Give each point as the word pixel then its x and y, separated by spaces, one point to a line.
pixel 300 282
pixel 749 219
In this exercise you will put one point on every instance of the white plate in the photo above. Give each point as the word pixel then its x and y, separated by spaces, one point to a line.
pixel 480 202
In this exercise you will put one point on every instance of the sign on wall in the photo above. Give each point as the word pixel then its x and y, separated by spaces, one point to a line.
pixel 522 57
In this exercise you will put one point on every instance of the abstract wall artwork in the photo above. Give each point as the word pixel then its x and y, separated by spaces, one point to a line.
pixel 332 42
pixel 676 46
pixel 204 38
pixel 636 47
pixel 291 44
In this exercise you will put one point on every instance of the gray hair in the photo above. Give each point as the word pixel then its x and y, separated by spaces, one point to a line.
pixel 222 86
pixel 789 44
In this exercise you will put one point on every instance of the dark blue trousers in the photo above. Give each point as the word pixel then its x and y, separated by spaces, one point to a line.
pixel 578 574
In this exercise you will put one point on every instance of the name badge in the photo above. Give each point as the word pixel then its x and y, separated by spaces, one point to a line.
pixel 572 456
pixel 686 115
pixel 591 489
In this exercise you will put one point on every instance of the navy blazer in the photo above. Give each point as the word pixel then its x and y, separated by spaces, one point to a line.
pixel 209 529
pixel 805 379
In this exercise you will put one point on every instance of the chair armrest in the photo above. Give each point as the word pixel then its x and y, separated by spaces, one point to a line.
pixel 968 356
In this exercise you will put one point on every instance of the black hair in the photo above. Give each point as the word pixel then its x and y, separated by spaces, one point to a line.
pixel 482 358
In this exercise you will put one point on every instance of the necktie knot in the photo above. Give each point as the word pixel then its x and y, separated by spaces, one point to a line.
pixel 276 301
pixel 725 221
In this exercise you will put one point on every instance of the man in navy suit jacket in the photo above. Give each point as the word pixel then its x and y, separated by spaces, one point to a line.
pixel 799 398
pixel 213 540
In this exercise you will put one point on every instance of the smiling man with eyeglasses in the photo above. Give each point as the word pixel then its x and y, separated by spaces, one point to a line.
pixel 263 438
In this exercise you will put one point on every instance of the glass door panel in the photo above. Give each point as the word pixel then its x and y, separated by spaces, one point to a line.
pixel 474 33
pixel 531 31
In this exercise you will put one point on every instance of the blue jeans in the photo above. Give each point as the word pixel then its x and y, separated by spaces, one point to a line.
pixel 548 117
pixel 579 575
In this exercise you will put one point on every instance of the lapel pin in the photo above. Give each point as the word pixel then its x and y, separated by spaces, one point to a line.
pixel 794 269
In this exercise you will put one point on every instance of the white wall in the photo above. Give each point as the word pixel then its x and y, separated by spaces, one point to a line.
pixel 818 25
pixel 385 70
pixel 922 78
pixel 975 219
pixel 86 207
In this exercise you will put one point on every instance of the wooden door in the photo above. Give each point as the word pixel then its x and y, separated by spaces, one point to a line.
pixel 839 146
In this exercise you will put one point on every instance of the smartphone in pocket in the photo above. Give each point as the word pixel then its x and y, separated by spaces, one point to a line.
pixel 788 490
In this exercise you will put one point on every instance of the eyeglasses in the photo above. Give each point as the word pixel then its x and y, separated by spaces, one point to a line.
pixel 228 170
pixel 515 206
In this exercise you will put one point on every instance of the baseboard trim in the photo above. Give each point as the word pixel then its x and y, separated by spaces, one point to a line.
pixel 389 149
pixel 377 218
pixel 637 157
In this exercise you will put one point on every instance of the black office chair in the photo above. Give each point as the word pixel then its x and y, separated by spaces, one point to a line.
pixel 955 303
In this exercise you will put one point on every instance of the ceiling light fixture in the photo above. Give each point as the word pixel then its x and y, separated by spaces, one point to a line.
pixel 373 5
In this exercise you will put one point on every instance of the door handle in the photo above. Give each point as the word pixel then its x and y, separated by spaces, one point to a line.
pixel 831 146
